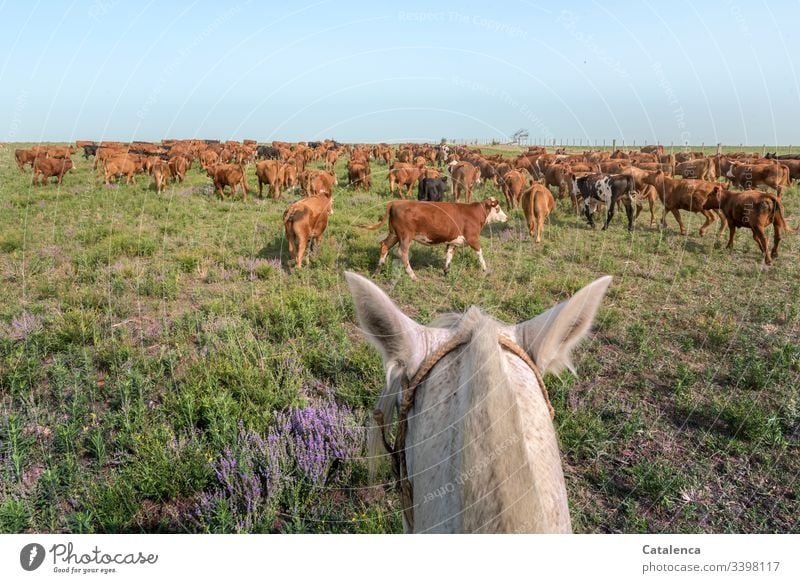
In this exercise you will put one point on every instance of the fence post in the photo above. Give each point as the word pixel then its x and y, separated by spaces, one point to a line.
pixel 614 145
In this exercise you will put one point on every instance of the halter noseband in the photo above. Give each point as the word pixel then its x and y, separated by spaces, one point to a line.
pixel 409 390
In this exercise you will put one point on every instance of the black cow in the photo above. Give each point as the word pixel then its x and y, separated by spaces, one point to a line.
pixel 606 188
pixel 432 189
pixel 267 153
pixel 774 156
pixel 89 151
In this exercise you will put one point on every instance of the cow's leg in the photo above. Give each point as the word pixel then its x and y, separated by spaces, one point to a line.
pixel 677 214
pixel 588 212
pixel 539 225
pixel 629 211
pixel 386 246
pixel 609 212
pixel 404 249
pixel 776 238
pixel 290 240
pixel 260 188
pixel 481 259
pixel 651 201
pixel 732 228
pixel 763 244
pixel 723 222
pixel 448 258
pixel 710 218
pixel 302 241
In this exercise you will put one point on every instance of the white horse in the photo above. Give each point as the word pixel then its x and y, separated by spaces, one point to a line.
pixel 481 453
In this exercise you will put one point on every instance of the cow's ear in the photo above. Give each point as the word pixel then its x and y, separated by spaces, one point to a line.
pixel 386 327
pixel 550 337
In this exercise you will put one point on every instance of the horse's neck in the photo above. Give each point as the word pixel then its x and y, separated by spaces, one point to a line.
pixel 487 458
pixel 510 448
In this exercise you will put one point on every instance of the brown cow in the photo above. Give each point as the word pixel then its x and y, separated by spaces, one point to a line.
pixel 464 176
pixel 749 176
pixel 700 168
pixel 159 170
pixel 26 157
pixel 120 165
pixel 436 223
pixel 287 176
pixel 269 172
pixel 754 210
pixel 231 175
pixel 305 222
pixel 558 175
pixel 317 183
pixel 687 194
pixel 537 202
pixel 403 175
pixel 512 183
pixel 178 166
pixel 359 174
pixel 208 158
pixel 47 167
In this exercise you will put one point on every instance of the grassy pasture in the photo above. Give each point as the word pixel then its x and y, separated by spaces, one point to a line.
pixel 149 341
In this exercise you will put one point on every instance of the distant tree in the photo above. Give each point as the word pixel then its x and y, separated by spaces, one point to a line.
pixel 518 136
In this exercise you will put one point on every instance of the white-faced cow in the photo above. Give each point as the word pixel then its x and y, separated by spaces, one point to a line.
pixel 436 223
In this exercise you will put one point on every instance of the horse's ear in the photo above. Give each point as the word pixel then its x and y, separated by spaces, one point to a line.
pixel 385 326
pixel 550 337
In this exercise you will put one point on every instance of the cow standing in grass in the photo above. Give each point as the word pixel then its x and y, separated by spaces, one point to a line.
pixel 608 189
pixel 754 210
pixel 305 222
pixel 436 223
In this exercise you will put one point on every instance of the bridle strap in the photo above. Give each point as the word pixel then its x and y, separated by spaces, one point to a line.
pixel 407 397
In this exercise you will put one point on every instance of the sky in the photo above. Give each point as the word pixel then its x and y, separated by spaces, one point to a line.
pixel 639 72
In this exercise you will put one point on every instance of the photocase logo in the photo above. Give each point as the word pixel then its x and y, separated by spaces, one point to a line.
pixel 31 556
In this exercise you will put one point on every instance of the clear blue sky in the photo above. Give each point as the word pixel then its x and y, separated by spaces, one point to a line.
pixel 649 71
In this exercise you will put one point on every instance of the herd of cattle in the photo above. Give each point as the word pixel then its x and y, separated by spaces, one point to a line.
pixel 588 180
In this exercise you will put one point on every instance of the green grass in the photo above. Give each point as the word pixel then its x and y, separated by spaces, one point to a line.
pixel 155 325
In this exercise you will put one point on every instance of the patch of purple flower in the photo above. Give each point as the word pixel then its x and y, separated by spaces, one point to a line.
pixel 506 235
pixel 308 447
pixel 24 325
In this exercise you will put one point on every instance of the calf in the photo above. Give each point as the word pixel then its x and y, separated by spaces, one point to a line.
pixel 754 210
pixel 47 167
pixel 230 175
pixel 687 194
pixel 465 176
pixel 537 203
pixel 512 183
pixel 317 183
pixel 403 175
pixel 269 172
pixel 747 176
pixel 26 157
pixel 159 170
pixel 436 223
pixel 359 174
pixel 432 189
pixel 177 168
pixel 120 166
pixel 701 168
pixel 608 189
pixel 305 222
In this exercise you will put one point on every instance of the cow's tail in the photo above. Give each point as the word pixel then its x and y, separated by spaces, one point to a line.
pixel 380 224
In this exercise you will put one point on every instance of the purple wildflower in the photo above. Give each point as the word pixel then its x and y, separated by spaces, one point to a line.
pixel 24 325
